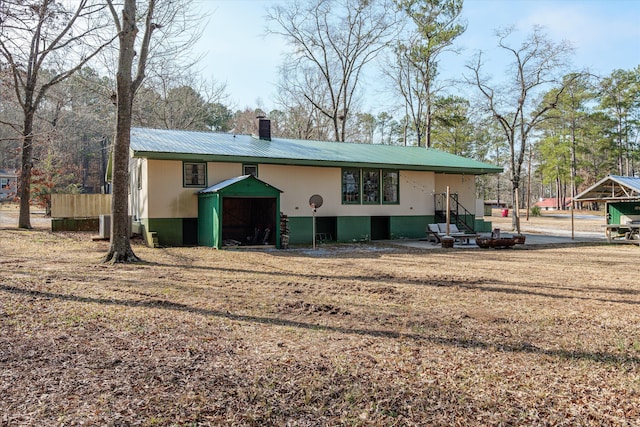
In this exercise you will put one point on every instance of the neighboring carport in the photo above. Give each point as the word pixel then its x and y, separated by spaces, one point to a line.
pixel 621 196
pixel 239 211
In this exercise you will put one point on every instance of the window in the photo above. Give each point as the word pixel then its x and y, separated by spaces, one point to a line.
pixel 371 186
pixel 195 174
pixel 4 183
pixel 351 186
pixel 250 170
pixel 390 186
pixel 378 186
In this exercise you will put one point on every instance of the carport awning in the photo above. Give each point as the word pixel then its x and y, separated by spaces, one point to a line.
pixel 612 188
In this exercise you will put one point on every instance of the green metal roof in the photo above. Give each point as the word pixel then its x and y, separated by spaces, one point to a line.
pixel 224 147
pixel 612 187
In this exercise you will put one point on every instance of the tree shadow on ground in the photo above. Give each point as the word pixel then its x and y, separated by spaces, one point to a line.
pixel 523 347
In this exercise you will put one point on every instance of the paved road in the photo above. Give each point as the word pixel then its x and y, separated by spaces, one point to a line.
pixel 540 237
pixel 9 218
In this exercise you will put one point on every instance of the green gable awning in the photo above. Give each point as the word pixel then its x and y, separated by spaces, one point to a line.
pixel 244 185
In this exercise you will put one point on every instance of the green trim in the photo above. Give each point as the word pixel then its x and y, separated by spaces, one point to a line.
pixel 618 209
pixel 358 228
pixel 300 230
pixel 376 194
pixel 357 175
pixel 75 224
pixel 482 226
pixel 319 163
pixel 348 228
pixel 361 173
pixel 184 175
pixel 208 220
pixel 168 230
pixel 354 228
pixel 409 227
pixel 397 172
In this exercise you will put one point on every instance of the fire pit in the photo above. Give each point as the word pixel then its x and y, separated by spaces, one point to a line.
pixel 491 242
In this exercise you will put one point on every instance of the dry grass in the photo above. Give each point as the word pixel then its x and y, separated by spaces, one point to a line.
pixel 351 335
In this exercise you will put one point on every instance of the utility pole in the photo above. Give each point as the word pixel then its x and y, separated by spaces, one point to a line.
pixel 529 183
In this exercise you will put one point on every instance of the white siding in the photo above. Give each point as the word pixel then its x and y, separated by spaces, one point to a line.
pixel 162 194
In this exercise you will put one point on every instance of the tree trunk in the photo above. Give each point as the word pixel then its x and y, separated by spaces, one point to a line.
pixel 427 131
pixel 516 207
pixel 120 249
pixel 24 219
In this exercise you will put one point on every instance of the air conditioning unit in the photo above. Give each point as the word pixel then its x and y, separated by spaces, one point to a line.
pixel 105 226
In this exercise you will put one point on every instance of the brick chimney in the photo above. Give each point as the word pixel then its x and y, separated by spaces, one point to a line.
pixel 264 128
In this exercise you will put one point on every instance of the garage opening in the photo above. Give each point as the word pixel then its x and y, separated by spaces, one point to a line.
pixel 249 220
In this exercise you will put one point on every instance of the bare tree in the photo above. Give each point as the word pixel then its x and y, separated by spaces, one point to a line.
pixel 338 38
pixel 304 121
pixel 414 68
pixel 537 65
pixel 179 102
pixel 244 121
pixel 175 21
pixel 43 43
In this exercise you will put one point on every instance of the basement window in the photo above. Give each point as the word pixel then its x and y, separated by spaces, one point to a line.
pixel 195 174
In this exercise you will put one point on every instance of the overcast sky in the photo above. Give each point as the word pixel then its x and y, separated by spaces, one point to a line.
pixel 605 33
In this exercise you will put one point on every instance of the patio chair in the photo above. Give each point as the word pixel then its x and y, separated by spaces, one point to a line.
pixel 433 233
pixel 455 232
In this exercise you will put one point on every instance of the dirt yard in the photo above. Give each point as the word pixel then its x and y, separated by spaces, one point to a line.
pixel 553 222
pixel 344 335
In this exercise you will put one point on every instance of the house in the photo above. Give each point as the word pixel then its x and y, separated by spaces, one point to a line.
pixel 553 203
pixel 8 185
pixel 203 188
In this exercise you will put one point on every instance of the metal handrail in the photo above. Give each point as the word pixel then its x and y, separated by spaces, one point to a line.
pixel 454 209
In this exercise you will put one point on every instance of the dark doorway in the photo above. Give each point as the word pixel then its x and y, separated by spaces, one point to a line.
pixel 380 229
pixel 326 228
pixel 190 231
pixel 249 220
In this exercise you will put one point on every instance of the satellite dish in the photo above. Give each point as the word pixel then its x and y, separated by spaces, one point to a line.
pixel 315 201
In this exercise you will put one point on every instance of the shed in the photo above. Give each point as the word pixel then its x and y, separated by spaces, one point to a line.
pixel 621 196
pixel 239 211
